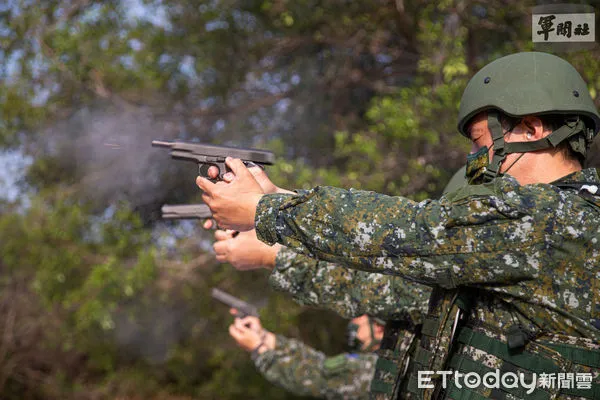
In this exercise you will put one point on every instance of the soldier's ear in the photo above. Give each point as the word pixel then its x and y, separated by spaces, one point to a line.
pixel 534 128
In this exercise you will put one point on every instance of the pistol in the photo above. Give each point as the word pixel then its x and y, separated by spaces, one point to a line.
pixel 243 309
pixel 186 211
pixel 206 155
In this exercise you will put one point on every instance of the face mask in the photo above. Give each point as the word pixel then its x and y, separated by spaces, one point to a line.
pixel 477 165
pixel 351 336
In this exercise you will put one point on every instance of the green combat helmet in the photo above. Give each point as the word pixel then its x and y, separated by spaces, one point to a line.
pixel 457 181
pixel 531 84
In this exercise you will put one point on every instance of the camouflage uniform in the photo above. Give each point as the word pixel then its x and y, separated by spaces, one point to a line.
pixel 302 370
pixel 514 269
pixel 528 253
pixel 351 293
pixel 318 283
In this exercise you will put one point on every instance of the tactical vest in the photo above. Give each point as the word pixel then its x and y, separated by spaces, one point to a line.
pixel 545 355
pixel 445 332
pixel 437 332
pixel 398 340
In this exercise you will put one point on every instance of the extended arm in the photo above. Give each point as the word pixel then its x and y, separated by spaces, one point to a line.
pixel 433 242
pixel 303 370
pixel 473 236
pixel 348 292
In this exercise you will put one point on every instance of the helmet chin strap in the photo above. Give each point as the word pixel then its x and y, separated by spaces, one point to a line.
pixel 513 163
pixel 571 128
pixel 499 154
pixel 374 341
pixel 500 146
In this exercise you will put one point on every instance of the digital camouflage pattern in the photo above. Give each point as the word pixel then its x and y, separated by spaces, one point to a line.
pixel 302 370
pixel 351 293
pixel 348 292
pixel 397 344
pixel 528 255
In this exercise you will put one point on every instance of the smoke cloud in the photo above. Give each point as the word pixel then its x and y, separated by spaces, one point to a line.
pixel 109 150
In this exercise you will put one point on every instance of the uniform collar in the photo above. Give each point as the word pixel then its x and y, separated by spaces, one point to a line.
pixel 588 175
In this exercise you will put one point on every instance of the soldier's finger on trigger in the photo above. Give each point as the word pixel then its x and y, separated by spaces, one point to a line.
pixel 213 171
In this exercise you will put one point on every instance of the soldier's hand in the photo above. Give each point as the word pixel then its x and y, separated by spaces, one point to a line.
pixel 233 204
pixel 260 176
pixel 247 332
pixel 252 322
pixel 244 251
pixel 257 172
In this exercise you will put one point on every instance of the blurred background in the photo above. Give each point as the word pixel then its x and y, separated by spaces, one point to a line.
pixel 99 298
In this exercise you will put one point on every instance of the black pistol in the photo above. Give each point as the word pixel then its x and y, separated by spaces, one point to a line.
pixel 207 155
pixel 243 309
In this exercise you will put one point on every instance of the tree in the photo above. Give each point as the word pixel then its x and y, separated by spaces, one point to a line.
pixel 106 299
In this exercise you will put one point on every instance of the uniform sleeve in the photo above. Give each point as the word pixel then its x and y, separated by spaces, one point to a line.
pixel 348 292
pixel 475 235
pixel 302 370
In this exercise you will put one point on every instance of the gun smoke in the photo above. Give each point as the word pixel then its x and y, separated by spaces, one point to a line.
pixel 109 151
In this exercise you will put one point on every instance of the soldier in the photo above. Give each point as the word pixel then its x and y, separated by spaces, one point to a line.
pixel 302 370
pixel 306 279
pixel 512 259
pixel 345 291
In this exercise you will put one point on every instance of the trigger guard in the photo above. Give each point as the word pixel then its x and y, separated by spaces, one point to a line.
pixel 203 171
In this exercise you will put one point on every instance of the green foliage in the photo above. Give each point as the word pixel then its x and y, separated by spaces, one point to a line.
pixel 107 301
pixel 417 120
